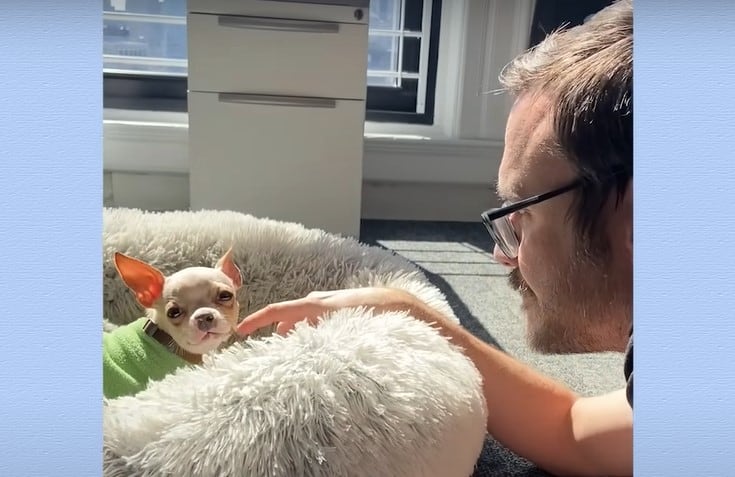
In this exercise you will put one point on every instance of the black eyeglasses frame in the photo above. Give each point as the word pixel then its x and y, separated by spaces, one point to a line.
pixel 491 215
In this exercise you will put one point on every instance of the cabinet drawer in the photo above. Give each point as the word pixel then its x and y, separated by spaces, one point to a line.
pixel 231 53
pixel 343 11
pixel 285 159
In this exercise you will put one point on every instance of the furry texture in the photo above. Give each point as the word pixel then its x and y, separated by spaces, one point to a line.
pixel 355 396
pixel 278 260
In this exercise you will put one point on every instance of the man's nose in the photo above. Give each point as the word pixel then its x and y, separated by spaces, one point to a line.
pixel 503 259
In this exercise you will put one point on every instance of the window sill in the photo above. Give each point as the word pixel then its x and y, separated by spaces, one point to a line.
pixel 172 120
pixel 156 142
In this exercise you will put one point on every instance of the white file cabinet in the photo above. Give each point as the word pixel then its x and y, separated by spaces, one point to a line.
pixel 277 109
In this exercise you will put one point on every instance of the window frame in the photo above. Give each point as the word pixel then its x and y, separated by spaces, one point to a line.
pixel 168 93
pixel 549 15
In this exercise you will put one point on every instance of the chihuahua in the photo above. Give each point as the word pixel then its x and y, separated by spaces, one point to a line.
pixel 188 314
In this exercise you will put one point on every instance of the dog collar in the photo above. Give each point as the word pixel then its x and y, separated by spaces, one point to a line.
pixel 152 330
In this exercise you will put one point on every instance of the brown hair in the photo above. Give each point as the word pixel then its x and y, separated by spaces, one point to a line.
pixel 587 72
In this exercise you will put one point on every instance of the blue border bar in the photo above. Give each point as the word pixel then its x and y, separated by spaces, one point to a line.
pixel 684 292
pixel 50 237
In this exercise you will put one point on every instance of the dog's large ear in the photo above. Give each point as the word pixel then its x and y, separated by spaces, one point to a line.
pixel 227 265
pixel 145 280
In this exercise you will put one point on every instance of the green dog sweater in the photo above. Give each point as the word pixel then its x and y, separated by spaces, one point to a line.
pixel 131 359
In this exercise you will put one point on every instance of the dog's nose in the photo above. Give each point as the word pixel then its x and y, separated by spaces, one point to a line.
pixel 205 321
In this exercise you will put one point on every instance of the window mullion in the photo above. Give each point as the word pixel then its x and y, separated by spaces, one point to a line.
pixel 423 57
pixel 402 23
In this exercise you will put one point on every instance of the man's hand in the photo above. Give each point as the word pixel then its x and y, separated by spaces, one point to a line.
pixel 287 313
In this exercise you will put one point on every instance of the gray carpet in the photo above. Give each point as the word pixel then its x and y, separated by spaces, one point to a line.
pixel 457 258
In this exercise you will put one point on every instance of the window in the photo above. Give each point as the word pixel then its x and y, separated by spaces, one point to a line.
pixel 145 57
pixel 551 14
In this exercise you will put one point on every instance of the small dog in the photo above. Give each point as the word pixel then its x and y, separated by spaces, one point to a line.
pixel 188 314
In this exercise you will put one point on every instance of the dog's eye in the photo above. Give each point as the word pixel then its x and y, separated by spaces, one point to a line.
pixel 174 312
pixel 225 296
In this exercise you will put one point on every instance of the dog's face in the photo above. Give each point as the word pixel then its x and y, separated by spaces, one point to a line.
pixel 196 306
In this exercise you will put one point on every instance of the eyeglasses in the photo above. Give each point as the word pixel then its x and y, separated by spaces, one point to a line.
pixel 497 221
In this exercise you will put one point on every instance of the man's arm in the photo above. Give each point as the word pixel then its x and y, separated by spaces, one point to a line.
pixel 541 419
pixel 534 416
pixel 603 427
pixel 537 417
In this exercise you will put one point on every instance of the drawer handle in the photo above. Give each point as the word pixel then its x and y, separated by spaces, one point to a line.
pixel 279 24
pixel 290 101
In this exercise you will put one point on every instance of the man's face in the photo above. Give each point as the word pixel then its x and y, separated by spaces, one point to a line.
pixel 576 296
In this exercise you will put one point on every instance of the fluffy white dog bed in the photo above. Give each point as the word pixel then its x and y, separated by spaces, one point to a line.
pixel 357 395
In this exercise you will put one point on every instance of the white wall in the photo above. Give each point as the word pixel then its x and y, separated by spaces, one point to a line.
pixel 445 171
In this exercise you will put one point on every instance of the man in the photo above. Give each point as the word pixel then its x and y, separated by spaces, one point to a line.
pixel 566 234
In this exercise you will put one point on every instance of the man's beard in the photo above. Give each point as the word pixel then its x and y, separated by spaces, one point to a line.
pixel 580 308
pixel 517 282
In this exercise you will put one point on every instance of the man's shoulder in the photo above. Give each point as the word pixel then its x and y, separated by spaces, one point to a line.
pixel 628 369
